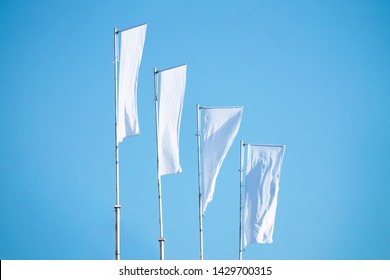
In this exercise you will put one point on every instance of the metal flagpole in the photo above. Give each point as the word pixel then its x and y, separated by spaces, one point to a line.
pixel 199 183
pixel 241 188
pixel 117 205
pixel 161 239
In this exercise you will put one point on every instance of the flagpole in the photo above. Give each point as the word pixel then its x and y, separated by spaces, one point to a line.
pixel 161 239
pixel 241 188
pixel 117 205
pixel 199 183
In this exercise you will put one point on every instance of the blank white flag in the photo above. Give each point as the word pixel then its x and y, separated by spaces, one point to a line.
pixel 173 83
pixel 132 44
pixel 261 192
pixel 220 130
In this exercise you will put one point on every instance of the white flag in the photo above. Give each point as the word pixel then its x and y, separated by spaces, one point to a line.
pixel 220 130
pixel 132 44
pixel 173 83
pixel 261 192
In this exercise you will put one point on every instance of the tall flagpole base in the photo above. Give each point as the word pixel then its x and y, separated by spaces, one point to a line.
pixel 117 208
pixel 162 242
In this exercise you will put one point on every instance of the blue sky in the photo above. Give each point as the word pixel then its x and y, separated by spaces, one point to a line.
pixel 312 75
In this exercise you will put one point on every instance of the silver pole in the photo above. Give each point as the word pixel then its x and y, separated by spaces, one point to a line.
pixel 241 188
pixel 161 239
pixel 199 184
pixel 117 205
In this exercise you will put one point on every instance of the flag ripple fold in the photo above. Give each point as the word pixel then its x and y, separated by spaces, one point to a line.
pixel 220 129
pixel 131 48
pixel 173 83
pixel 261 192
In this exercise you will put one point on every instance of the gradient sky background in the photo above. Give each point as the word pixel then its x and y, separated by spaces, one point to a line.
pixel 313 75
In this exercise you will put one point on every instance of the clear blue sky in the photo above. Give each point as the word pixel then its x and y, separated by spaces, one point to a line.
pixel 313 75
